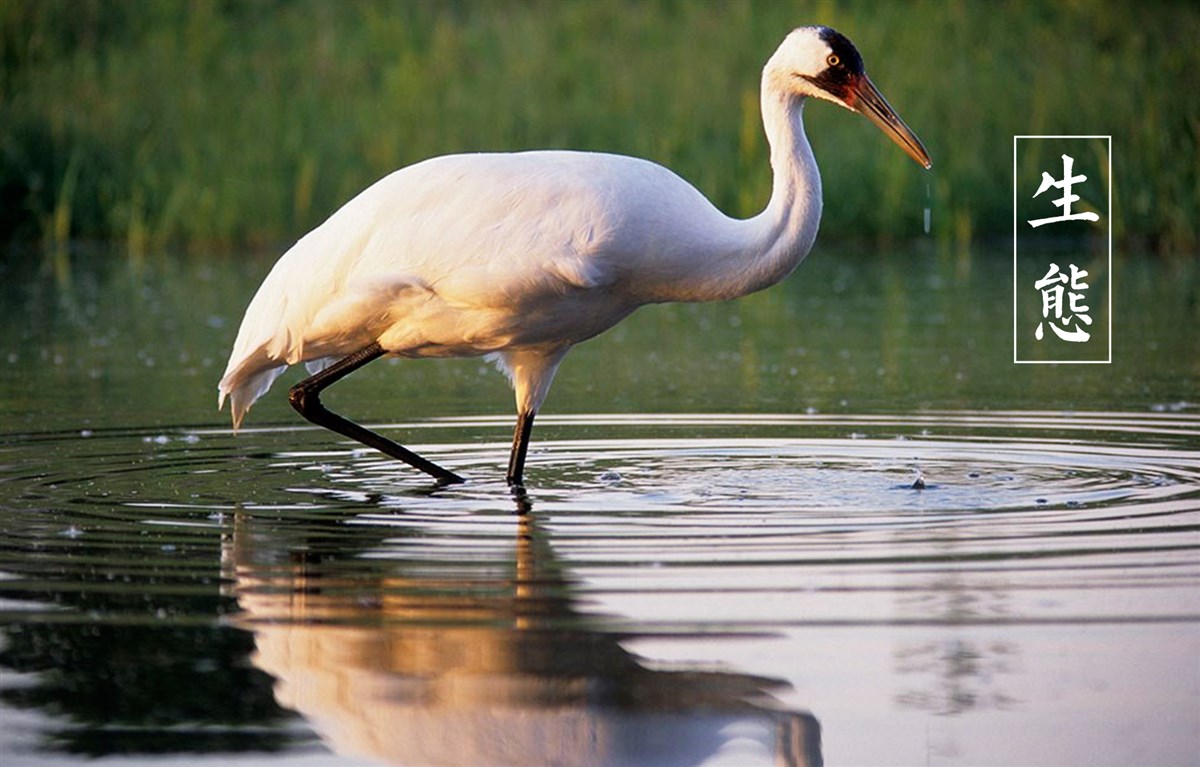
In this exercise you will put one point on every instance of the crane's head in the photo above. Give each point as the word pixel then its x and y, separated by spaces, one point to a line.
pixel 823 63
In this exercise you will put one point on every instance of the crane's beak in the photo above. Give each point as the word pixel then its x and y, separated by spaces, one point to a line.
pixel 867 100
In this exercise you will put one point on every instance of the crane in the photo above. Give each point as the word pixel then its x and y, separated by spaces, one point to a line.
pixel 520 256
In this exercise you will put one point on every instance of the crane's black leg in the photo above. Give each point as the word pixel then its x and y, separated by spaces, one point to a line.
pixel 306 398
pixel 516 459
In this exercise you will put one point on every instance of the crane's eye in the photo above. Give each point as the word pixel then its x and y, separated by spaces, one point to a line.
pixel 832 60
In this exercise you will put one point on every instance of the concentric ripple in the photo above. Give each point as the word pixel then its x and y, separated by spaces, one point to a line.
pixel 776 519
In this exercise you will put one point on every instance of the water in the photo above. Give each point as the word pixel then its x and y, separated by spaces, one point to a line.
pixel 721 560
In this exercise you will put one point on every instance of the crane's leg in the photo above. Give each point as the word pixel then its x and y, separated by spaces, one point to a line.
pixel 516 459
pixel 306 398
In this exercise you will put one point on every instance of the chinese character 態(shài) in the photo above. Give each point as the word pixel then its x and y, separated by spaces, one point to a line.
pixel 1052 287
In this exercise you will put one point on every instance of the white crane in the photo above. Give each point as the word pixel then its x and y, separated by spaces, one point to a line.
pixel 521 256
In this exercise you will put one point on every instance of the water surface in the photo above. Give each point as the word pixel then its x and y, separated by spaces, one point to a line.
pixel 722 557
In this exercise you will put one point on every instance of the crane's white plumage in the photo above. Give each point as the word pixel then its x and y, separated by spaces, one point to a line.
pixel 524 255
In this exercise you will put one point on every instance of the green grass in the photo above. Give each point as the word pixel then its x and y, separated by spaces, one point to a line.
pixel 173 125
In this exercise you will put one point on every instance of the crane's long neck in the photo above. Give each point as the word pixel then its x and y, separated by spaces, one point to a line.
pixel 755 253
pixel 785 231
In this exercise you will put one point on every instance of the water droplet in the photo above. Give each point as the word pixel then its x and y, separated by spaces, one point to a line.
pixel 928 204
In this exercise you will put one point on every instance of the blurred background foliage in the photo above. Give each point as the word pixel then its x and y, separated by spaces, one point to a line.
pixel 173 126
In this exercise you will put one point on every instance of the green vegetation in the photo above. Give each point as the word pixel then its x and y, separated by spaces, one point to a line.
pixel 204 124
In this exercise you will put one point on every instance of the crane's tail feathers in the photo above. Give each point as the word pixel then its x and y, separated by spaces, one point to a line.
pixel 243 388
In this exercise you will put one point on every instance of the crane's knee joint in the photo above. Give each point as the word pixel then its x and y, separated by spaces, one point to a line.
pixel 304 399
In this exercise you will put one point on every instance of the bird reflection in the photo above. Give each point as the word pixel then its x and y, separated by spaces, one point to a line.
pixel 401 657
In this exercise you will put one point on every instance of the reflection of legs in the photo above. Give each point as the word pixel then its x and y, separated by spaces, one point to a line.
pixel 516 459
pixel 306 398
pixel 798 740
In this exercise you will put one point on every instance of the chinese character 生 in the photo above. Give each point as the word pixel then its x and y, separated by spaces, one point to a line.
pixel 1067 198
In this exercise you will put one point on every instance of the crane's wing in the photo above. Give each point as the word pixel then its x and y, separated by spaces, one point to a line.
pixel 451 256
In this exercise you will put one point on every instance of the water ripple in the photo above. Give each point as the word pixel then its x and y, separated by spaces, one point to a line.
pixel 775 519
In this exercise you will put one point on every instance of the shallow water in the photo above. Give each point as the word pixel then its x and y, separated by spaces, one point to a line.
pixel 723 561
